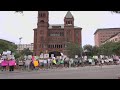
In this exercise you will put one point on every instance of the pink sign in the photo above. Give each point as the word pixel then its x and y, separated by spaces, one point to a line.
pixel 33 58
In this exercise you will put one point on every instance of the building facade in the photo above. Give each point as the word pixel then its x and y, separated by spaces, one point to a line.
pixel 21 47
pixel 114 38
pixel 54 37
pixel 101 35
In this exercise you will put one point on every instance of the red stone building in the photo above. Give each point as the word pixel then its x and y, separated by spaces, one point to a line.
pixel 101 35
pixel 53 38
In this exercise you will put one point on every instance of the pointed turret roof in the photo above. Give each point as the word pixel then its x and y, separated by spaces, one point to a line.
pixel 69 15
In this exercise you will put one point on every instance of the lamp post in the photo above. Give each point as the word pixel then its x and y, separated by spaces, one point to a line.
pixel 19 43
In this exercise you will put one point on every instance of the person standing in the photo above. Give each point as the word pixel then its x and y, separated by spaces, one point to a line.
pixel 11 65
pixel 27 64
pixel 4 64
pixel 48 63
pixel 36 64
pixel 21 64
pixel 45 64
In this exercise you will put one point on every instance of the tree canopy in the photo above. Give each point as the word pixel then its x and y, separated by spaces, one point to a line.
pixel 26 51
pixel 6 45
pixel 73 49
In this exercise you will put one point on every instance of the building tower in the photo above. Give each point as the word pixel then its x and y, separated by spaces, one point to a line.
pixel 69 27
pixel 40 34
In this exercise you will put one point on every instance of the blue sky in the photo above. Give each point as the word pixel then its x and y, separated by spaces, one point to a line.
pixel 14 25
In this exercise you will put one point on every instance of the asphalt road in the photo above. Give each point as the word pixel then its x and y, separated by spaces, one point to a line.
pixel 88 72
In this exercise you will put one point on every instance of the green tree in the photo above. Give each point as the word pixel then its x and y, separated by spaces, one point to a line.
pixel 89 49
pixel 95 50
pixel 26 52
pixel 17 55
pixel 116 48
pixel 110 48
pixel 6 45
pixel 73 49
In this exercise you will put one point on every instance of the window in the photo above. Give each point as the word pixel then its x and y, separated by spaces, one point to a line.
pixel 69 22
pixel 61 46
pixel 42 15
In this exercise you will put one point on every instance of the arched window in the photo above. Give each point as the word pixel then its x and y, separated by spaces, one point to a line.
pixel 42 21
pixel 61 46
pixel 57 46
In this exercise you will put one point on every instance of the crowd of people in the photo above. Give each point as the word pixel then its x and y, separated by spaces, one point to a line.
pixel 52 63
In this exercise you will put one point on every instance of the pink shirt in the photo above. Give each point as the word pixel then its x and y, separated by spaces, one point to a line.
pixel 4 63
pixel 12 63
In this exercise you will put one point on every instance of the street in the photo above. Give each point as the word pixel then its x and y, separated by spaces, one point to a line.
pixel 88 72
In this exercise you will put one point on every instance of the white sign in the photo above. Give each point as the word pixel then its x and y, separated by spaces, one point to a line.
pixel 29 56
pixel 4 53
pixel 61 54
pixel 41 55
pixel 4 57
pixel 76 56
pixel 8 52
pixel 46 55
pixel 12 56
pixel 85 57
pixel 25 57
pixel 52 55
pixel 101 56
pixel 9 57
pixel 90 60
pixel 95 57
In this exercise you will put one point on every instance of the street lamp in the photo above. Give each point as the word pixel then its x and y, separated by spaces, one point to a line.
pixel 20 42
